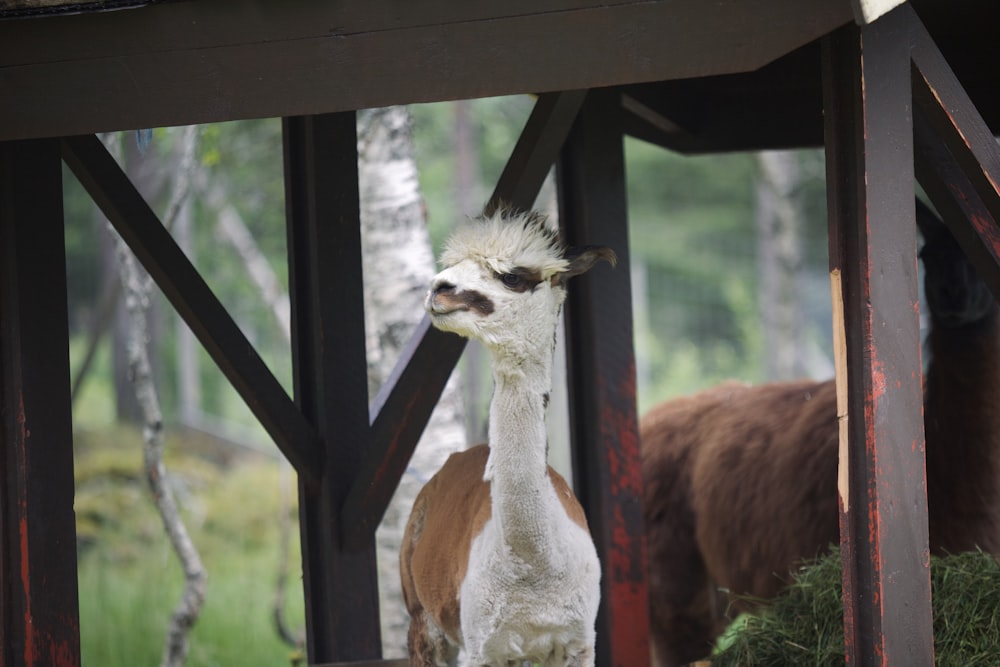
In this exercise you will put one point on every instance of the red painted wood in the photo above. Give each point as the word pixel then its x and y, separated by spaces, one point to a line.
pixel 887 605
pixel 39 617
pixel 601 378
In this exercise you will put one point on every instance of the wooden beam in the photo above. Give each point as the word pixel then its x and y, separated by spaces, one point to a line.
pixel 951 116
pixel 956 199
pixel 398 414
pixel 195 62
pixel 601 377
pixel 39 611
pixel 194 301
pixel 873 267
pixel 330 377
pixel 404 404
pixel 779 105
pixel 536 150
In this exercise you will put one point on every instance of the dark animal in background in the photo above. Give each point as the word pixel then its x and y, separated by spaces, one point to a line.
pixel 741 481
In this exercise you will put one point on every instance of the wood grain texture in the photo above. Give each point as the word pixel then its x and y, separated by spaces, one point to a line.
pixel 195 62
pixel 884 534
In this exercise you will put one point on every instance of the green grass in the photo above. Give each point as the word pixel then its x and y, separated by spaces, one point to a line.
pixel 124 611
pixel 804 624
pixel 129 577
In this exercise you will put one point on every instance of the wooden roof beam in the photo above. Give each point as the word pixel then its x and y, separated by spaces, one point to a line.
pixel 194 62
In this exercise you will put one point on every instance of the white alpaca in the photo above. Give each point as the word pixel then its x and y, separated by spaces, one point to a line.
pixel 497 559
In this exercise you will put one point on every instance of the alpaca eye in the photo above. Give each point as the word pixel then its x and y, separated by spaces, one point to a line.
pixel 511 280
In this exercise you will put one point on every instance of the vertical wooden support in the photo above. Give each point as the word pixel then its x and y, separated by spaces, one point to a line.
pixel 602 377
pixel 331 387
pixel 887 604
pixel 39 617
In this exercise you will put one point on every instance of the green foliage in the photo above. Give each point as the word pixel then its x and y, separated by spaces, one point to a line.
pixel 497 123
pixel 804 624
pixel 130 580
pixel 691 225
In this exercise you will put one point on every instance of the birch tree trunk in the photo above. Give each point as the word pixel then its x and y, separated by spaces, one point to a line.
pixel 779 242
pixel 398 266
pixel 137 288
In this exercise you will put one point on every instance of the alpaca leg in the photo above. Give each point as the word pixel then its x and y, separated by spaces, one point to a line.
pixel 686 638
pixel 428 646
pixel 583 659
pixel 682 611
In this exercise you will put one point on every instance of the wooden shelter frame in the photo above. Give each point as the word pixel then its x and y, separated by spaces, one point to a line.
pixel 891 104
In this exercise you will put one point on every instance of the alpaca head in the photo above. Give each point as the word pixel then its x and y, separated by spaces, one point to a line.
pixel 504 282
pixel 956 296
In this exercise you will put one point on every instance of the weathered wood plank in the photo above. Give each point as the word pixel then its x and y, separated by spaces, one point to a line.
pixel 779 105
pixel 39 617
pixel 601 378
pixel 953 117
pixel 193 299
pixel 195 62
pixel 330 377
pixel 956 199
pixel 873 264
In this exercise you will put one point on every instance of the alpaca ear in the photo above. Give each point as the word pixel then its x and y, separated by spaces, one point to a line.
pixel 582 260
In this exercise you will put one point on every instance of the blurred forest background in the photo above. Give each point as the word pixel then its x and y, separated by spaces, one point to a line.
pixel 730 280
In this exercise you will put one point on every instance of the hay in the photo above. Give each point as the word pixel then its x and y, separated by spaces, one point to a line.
pixel 803 625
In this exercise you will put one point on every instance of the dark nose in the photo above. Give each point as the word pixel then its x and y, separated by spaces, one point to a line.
pixel 442 287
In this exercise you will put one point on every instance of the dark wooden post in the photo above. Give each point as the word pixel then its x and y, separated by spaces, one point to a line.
pixel 331 386
pixel 873 265
pixel 602 377
pixel 39 610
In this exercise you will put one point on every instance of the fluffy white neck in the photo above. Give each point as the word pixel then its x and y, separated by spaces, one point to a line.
pixel 524 502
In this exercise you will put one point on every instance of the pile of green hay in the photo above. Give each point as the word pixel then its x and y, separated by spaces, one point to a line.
pixel 804 625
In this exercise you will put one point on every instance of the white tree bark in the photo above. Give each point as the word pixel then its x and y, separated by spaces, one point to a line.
pixel 137 287
pixel 231 228
pixel 188 360
pixel 779 223
pixel 398 266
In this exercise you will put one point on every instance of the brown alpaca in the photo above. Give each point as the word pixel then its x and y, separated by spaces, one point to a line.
pixel 741 482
